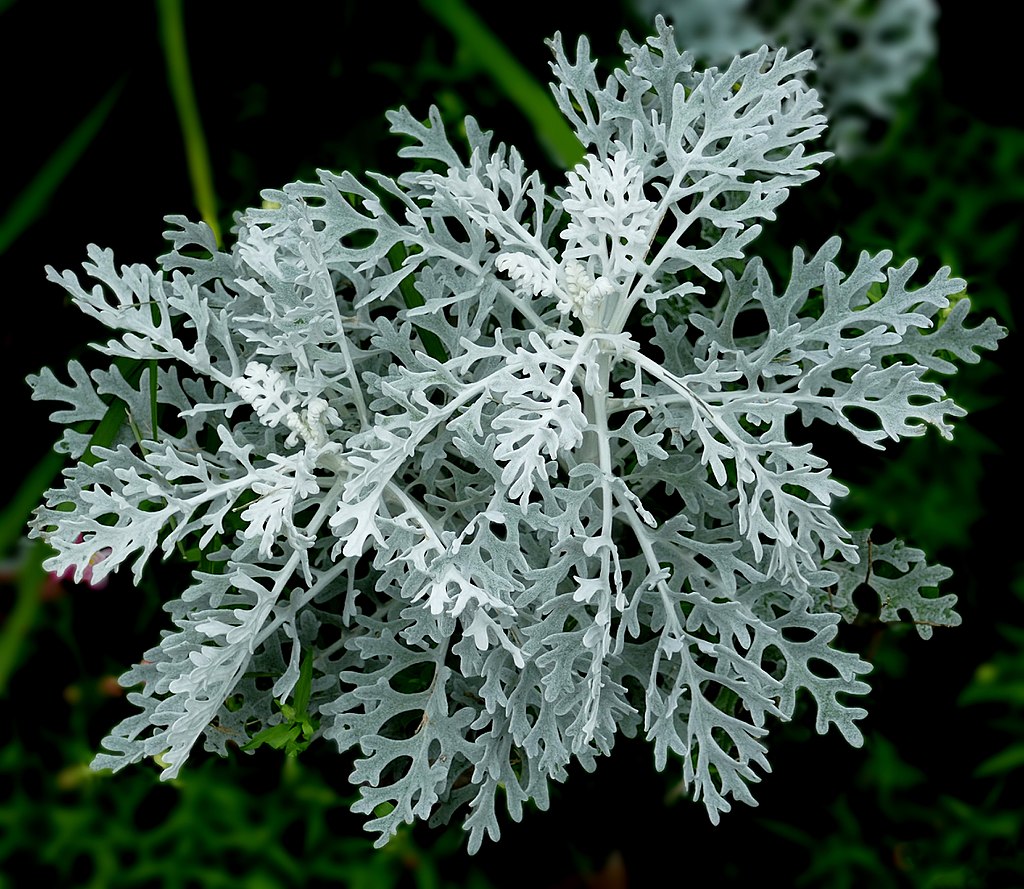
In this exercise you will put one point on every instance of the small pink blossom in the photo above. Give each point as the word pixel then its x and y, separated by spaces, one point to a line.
pixel 69 572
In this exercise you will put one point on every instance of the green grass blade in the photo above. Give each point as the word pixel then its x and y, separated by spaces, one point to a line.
pixel 30 203
pixel 28 496
pixel 19 623
pixel 179 78
pixel 493 56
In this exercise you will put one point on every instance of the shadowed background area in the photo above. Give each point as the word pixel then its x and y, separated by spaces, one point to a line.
pixel 132 113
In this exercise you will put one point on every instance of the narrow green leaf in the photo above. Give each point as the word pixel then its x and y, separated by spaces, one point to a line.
pixel 115 417
pixel 1006 761
pixel 32 201
pixel 18 624
pixel 277 736
pixel 106 429
pixel 304 686
pixel 26 498
pixel 493 56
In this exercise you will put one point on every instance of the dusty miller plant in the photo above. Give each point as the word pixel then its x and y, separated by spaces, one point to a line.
pixel 482 474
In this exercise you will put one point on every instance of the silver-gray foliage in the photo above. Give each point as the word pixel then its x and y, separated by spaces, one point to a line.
pixel 511 466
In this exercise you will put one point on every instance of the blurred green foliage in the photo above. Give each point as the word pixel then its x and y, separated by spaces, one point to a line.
pixel 206 830
pixel 932 800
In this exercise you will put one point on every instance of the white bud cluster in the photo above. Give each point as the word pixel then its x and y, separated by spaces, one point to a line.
pixel 276 404
pixel 583 296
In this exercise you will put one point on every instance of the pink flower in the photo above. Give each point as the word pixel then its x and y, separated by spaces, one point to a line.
pixel 69 572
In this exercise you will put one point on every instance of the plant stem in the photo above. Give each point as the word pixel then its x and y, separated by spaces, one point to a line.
pixel 179 77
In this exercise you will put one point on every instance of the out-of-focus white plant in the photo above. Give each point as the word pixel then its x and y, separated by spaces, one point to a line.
pixel 867 53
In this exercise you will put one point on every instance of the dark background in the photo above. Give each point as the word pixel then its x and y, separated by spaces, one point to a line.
pixel 935 796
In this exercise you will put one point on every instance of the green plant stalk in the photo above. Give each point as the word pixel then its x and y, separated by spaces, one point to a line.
pixel 493 56
pixel 179 78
